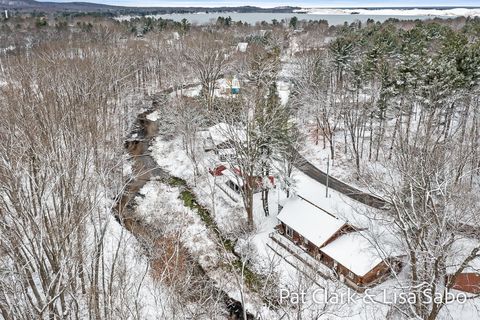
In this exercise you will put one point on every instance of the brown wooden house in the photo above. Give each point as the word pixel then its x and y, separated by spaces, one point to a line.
pixel 334 243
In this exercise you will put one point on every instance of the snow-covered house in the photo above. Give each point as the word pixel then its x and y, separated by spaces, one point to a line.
pixel 233 180
pixel 242 46
pixel 217 137
pixel 333 242
pixel 235 85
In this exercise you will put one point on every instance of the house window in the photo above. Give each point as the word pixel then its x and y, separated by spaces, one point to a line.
pixel 289 232
pixel 233 186
pixel 305 242
pixel 351 275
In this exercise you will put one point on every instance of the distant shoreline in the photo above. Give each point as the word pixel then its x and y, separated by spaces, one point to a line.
pixel 451 11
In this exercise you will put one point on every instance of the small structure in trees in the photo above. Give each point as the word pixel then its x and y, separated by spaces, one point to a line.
pixel 242 46
pixel 234 180
pixel 217 171
pixel 226 155
pixel 216 139
pixel 235 85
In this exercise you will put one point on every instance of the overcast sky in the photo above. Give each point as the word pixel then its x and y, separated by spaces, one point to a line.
pixel 271 3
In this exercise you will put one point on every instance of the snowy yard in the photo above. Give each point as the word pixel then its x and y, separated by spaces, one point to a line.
pixel 229 215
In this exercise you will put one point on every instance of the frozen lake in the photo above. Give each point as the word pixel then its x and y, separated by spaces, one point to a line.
pixel 252 18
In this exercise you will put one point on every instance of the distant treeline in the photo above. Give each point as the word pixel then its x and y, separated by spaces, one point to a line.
pixel 76 9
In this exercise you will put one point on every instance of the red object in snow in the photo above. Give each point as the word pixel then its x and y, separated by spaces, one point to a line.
pixel 237 172
pixel 272 180
pixel 258 181
pixel 217 171
pixel 468 282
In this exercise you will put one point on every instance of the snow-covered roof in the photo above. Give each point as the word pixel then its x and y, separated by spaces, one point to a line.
pixel 153 116
pixel 219 132
pixel 227 152
pixel 310 221
pixel 235 83
pixel 223 132
pixel 230 175
pixel 353 251
pixel 222 84
pixel 242 46
pixel 344 208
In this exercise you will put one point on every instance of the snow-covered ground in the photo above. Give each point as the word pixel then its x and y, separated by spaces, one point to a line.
pixel 131 278
pixel 455 12
pixel 6 49
pixel 283 90
pixel 229 216
pixel 222 89
pixel 343 167
pixel 188 92
pixel 160 204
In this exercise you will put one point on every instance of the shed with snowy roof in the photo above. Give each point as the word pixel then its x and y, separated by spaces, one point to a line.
pixel 217 137
pixel 242 46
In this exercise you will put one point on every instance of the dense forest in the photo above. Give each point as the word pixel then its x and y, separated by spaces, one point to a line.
pixel 393 106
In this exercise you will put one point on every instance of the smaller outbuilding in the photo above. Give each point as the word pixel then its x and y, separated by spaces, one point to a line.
pixel 217 137
pixel 242 46
pixel 221 136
